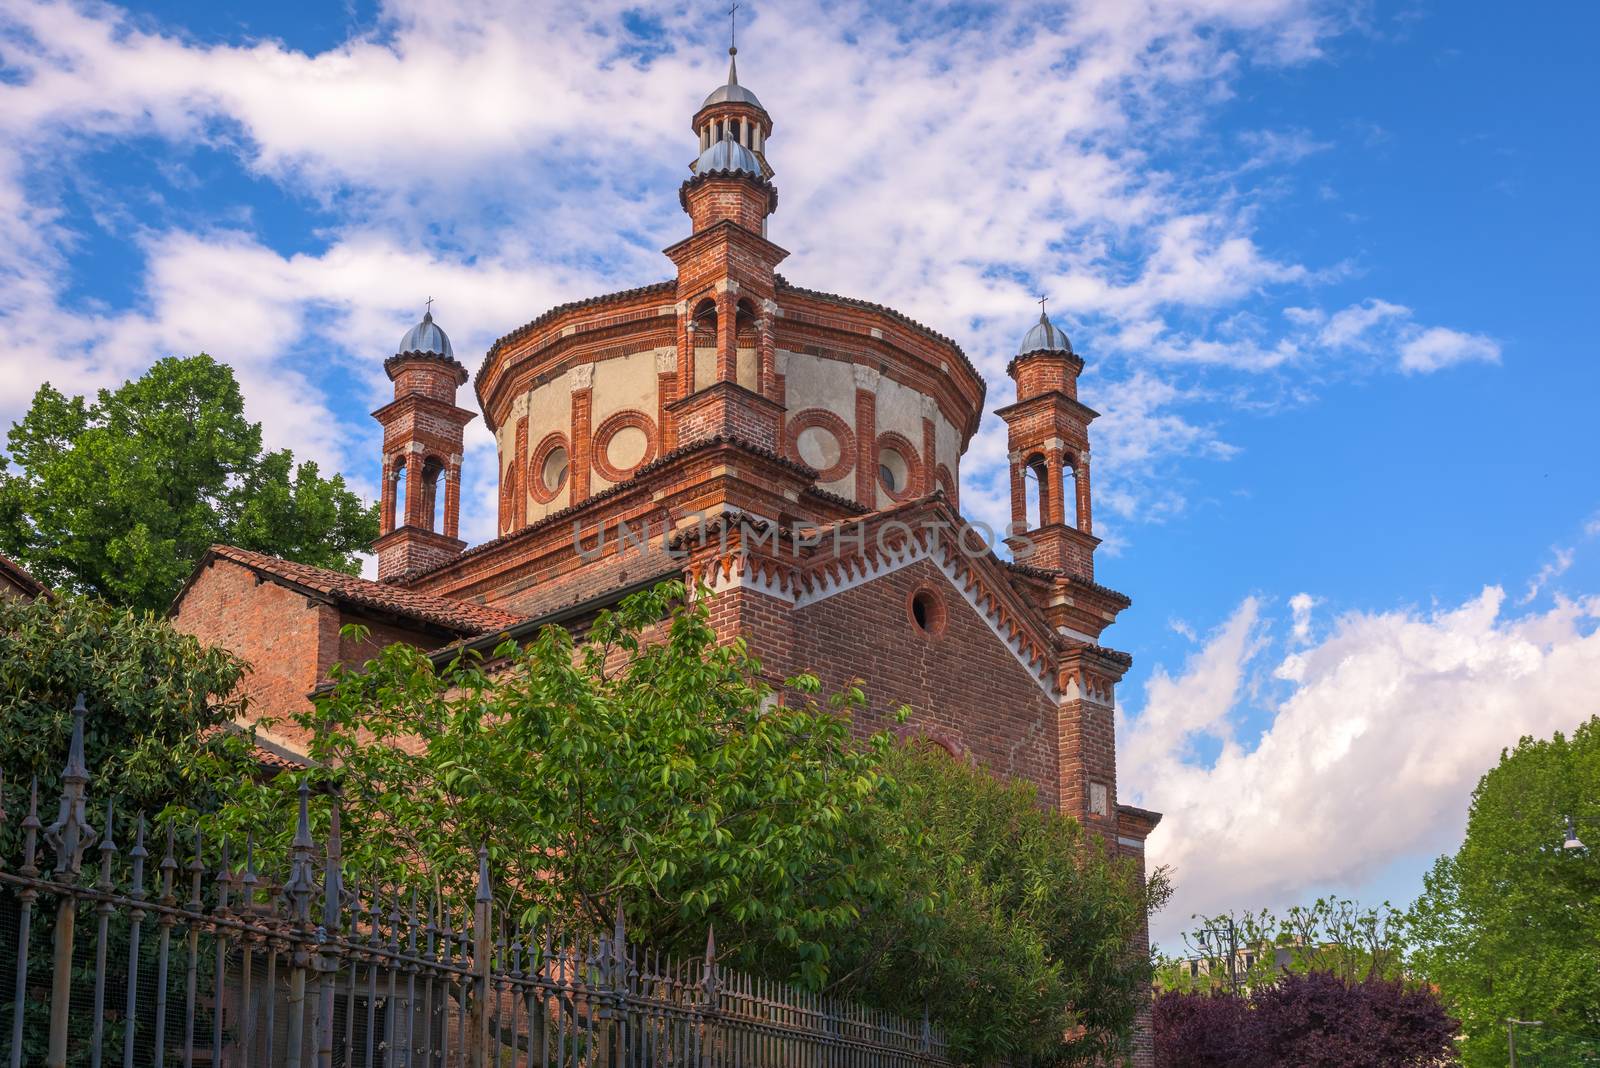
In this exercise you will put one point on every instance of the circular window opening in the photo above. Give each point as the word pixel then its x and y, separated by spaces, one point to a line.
pixel 554 472
pixel 927 612
pixel 893 471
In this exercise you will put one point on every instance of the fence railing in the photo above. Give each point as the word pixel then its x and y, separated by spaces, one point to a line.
pixel 171 961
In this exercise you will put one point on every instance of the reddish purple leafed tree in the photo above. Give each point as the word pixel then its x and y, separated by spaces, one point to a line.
pixel 1314 1021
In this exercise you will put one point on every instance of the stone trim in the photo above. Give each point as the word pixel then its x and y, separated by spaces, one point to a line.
pixel 822 418
pixel 536 487
pixel 608 429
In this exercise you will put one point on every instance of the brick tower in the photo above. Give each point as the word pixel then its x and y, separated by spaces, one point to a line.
pixel 422 433
pixel 1048 443
pixel 726 285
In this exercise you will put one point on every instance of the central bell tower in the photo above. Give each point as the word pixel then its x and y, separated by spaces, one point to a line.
pixel 726 283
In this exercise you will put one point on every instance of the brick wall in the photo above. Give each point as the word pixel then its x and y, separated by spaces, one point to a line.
pixel 965 689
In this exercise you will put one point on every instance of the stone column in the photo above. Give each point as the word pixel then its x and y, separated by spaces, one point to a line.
pixel 1051 492
pixel 386 510
pixel 414 489
pixel 1085 519
pixel 452 497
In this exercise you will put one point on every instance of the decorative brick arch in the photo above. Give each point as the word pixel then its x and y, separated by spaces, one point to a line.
pixel 608 430
pixel 947 479
pixel 908 452
pixel 823 419
pixel 536 487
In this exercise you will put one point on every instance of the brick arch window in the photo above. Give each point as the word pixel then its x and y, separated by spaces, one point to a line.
pixel 820 419
pixel 1069 490
pixel 947 480
pixel 899 468
pixel 550 468
pixel 608 430
pixel 1036 489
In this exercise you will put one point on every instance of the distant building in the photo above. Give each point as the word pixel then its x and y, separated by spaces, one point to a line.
pixel 796 451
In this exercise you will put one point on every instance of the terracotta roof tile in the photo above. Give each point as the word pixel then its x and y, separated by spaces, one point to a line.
pixel 463 617
pixel 18 576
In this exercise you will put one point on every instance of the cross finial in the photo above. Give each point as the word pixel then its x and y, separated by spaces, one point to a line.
pixel 429 305
pixel 733 28
pixel 1041 304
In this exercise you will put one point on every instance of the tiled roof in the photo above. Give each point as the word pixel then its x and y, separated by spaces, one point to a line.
pixel 463 617
pixel 18 576
pixel 653 289
pixel 901 317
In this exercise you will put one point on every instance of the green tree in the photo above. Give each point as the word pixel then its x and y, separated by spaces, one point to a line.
pixel 1003 917
pixel 650 768
pixel 1510 925
pixel 1337 936
pixel 156 700
pixel 119 497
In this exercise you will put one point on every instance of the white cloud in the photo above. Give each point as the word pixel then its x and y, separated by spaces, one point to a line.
pixel 1368 757
pixel 1301 605
pixel 504 157
pixel 1439 346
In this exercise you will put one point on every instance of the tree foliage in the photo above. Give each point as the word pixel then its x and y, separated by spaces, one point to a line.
pixel 1312 1020
pixel 1334 935
pixel 1004 915
pixel 156 700
pixel 1510 925
pixel 650 768
pixel 120 496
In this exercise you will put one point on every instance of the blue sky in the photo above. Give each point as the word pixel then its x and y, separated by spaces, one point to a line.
pixel 1330 266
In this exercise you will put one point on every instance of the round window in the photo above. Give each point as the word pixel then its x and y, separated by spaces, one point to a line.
pixel 926 609
pixel 893 470
pixel 554 472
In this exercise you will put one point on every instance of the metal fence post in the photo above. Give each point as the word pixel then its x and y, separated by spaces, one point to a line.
pixel 68 836
pixel 482 914
pixel 298 888
pixel 327 961
pixel 710 990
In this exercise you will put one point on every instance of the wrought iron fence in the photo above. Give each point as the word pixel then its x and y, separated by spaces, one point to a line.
pixel 172 961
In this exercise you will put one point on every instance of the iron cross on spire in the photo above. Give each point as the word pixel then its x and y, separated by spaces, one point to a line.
pixel 429 305
pixel 733 28
pixel 1041 304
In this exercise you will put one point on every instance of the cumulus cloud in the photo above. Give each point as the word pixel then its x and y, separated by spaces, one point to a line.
pixel 1439 346
pixel 503 157
pixel 1375 736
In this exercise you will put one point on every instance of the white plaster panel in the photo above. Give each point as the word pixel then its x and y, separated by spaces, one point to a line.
pixel 818 382
pixel 624 383
pixel 705 367
pixel 900 410
pixel 746 370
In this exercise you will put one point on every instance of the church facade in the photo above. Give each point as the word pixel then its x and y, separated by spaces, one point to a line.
pixel 795 451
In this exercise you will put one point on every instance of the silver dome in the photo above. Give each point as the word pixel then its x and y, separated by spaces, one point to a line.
pixel 733 92
pixel 727 155
pixel 426 337
pixel 1044 336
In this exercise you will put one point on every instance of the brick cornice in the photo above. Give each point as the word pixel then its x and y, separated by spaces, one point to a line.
pixel 1045 401
pixel 422 402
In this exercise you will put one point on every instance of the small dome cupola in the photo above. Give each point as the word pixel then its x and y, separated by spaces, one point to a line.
pixel 733 113
pixel 726 155
pixel 733 92
pixel 1044 337
pixel 426 338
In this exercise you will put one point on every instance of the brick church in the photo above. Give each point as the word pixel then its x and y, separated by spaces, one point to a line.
pixel 796 451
